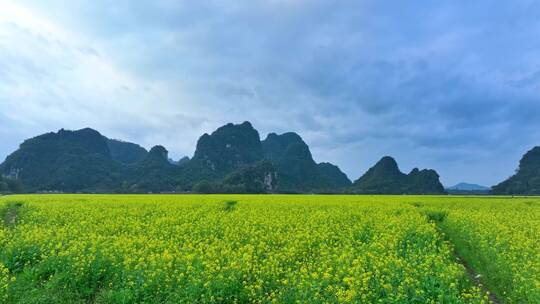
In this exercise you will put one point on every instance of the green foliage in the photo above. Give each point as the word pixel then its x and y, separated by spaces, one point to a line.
pixel 526 181
pixel 67 161
pixel 8 186
pixel 296 169
pixel 225 150
pixel 230 206
pixel 125 152
pixel 207 187
pixel 255 178
pixel 153 174
pixel 499 240
pixel 386 178
pixel 423 182
pixel 383 178
pixel 9 213
pixel 3 186
pixel 232 159
pixel 331 178
pixel 436 216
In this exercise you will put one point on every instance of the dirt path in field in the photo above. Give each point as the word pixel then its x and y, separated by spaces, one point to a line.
pixel 11 215
pixel 477 280
pixel 474 276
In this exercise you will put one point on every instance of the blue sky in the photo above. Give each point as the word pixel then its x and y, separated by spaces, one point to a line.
pixel 450 85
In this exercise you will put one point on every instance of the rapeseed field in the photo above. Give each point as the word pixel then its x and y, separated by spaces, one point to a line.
pixel 268 249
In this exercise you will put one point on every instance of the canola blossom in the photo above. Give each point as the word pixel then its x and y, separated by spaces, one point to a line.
pixel 503 243
pixel 266 249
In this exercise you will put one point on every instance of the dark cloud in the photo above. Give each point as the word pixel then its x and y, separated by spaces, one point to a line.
pixel 450 85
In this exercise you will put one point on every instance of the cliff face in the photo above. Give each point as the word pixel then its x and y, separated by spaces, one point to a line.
pixel 236 150
pixel 260 177
pixel 296 169
pixel 224 151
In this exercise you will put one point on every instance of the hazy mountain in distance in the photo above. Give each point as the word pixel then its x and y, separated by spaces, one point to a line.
pixel 469 187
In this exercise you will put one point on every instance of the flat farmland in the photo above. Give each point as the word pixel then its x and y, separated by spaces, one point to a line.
pixel 269 249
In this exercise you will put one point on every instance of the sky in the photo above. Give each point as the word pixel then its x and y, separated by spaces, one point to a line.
pixel 452 85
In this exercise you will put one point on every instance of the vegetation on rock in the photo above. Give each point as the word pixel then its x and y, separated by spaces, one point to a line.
pixel 526 181
pixel 68 161
pixel 232 159
pixel 296 169
pixel 386 178
pixel 125 152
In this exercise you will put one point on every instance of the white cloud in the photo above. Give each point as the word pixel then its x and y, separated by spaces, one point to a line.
pixel 53 78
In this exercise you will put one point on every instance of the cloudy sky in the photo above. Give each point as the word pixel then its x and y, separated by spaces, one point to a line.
pixel 452 85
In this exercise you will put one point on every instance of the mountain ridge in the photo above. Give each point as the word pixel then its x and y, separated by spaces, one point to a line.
pixel 233 157
pixel 526 180
pixel 385 177
pixel 468 187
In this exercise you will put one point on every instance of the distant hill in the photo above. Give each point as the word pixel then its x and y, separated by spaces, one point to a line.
pixel 386 178
pixel 235 150
pixel 469 187
pixel 67 161
pixel 259 177
pixel 296 169
pixel 225 150
pixel 526 180
pixel 232 159
pixel 126 152
pixel 8 186
pixel 154 173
